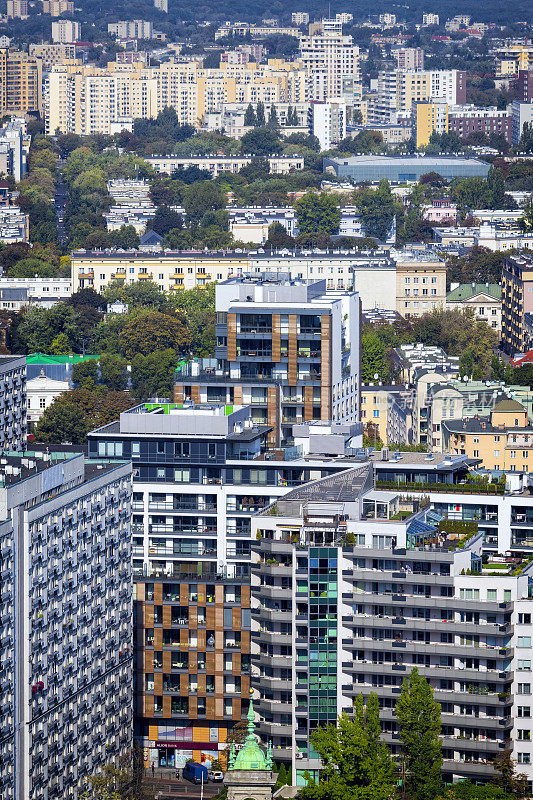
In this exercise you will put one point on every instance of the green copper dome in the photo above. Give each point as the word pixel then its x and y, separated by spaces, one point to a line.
pixel 250 756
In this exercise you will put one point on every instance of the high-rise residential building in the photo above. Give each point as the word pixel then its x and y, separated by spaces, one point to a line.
pixel 52 54
pixel 14 147
pixel 430 19
pixel 399 89
pixel 365 586
pixel 521 113
pixel 328 56
pixel 289 346
pixel 200 473
pixel 20 82
pixel 65 31
pixel 327 121
pixel 17 9
pixel 517 303
pixel 12 402
pixel 524 85
pixel 300 18
pixel 132 29
pixel 66 640
pixel 420 282
pixel 409 58
pixel 161 5
pixel 387 20
pixel 56 8
pixel 428 118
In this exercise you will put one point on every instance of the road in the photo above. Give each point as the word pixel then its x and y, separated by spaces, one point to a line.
pixel 60 201
pixel 165 786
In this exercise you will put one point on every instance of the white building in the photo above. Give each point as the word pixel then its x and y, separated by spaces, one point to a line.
pixel 328 56
pixel 12 403
pixel 14 147
pixel 279 165
pixel 430 19
pixel 387 20
pixel 15 293
pixel 65 31
pixel 41 393
pixel 327 121
pixel 14 225
pixel 300 18
pixel 521 113
pixel 251 224
pixel 131 29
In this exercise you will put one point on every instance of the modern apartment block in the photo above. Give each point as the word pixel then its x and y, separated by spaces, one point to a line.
pixel 289 347
pixel 66 641
pixel 328 57
pixel 12 402
pixel 200 473
pixel 20 82
pixel 517 302
pixel 353 587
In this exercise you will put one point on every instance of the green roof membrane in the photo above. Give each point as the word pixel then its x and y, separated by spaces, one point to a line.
pixel 42 358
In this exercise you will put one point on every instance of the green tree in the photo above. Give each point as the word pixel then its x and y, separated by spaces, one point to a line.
pixel 165 220
pixel 273 121
pixel 419 727
pixel 249 115
pixel 526 220
pixel 356 763
pixel 374 359
pixel 201 197
pixel 85 373
pixel 113 371
pixel 466 790
pixel 507 779
pixel 152 375
pixel 198 307
pixel 62 422
pixel 283 777
pixel 148 331
pixel 60 345
pixel 376 209
pixel 317 213
pixel 33 267
pixel 278 236
pixel 261 142
pixel 260 115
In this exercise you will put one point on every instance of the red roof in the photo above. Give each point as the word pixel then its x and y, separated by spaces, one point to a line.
pixel 525 358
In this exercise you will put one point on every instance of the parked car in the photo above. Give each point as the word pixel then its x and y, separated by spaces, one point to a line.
pixel 216 777
pixel 195 773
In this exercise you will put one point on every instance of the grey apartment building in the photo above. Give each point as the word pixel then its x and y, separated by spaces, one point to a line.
pixel 66 613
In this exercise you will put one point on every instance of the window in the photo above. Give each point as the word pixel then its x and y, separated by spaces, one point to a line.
pixel 524 688
pixel 506 595
pixel 42 402
pixel 523 665
pixel 469 594
pixel 524 711
pixel 524 641
pixel 524 619
pixel 524 758
pixel 492 595
pixel 376 413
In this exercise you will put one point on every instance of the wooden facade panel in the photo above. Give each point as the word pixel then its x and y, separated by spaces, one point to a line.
pixel 184 684
pixel 219 685
pixel 219 663
pixel 201 685
pixel 158 593
pixel 245 642
pixel 201 639
pixel 167 617
pixel 184 639
pixel 219 708
pixel 210 663
pixel 236 619
pixel 193 618
pixel 293 350
pixel 210 707
pixel 193 707
pixel 148 660
pixel 202 590
pixel 210 617
pixel 276 337
pixel 178 393
pixel 158 683
pixel 195 394
pixel 140 592
pixel 245 596
pixel 149 615
pixel 219 617
pixel 219 594
pixel 193 662
pixel 149 705
pixel 232 337
pixel 167 660
pixel 236 664
pixel 158 638
pixel 245 687
pixel 237 395
pixel 184 594
pixel 325 368
pixel 273 410
pixel 167 706
pixel 236 709
pixel 219 640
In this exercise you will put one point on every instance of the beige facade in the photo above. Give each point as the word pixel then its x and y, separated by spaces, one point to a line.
pixel 169 271
pixel 390 410
pixel 420 284
pixel 504 441
pixel 52 54
pixel 20 82
pixel 328 57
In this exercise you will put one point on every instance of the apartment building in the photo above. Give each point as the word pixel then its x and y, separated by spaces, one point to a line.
pixel 215 164
pixel 485 300
pixel 428 118
pixel 56 8
pixel 65 31
pixel 517 301
pixel 359 594
pixel 20 82
pixel 131 29
pixel 409 58
pixel 420 282
pixel 15 293
pixel 66 649
pixel 200 473
pixel 430 19
pixel 238 29
pixel 14 226
pixel 398 90
pixel 491 121
pixel 52 54
pixel 289 344
pixel 12 402
pixel 521 113
pixel 502 441
pixel 328 57
pixel 300 18
pixel 388 411
pixel 17 9
pixel 327 121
